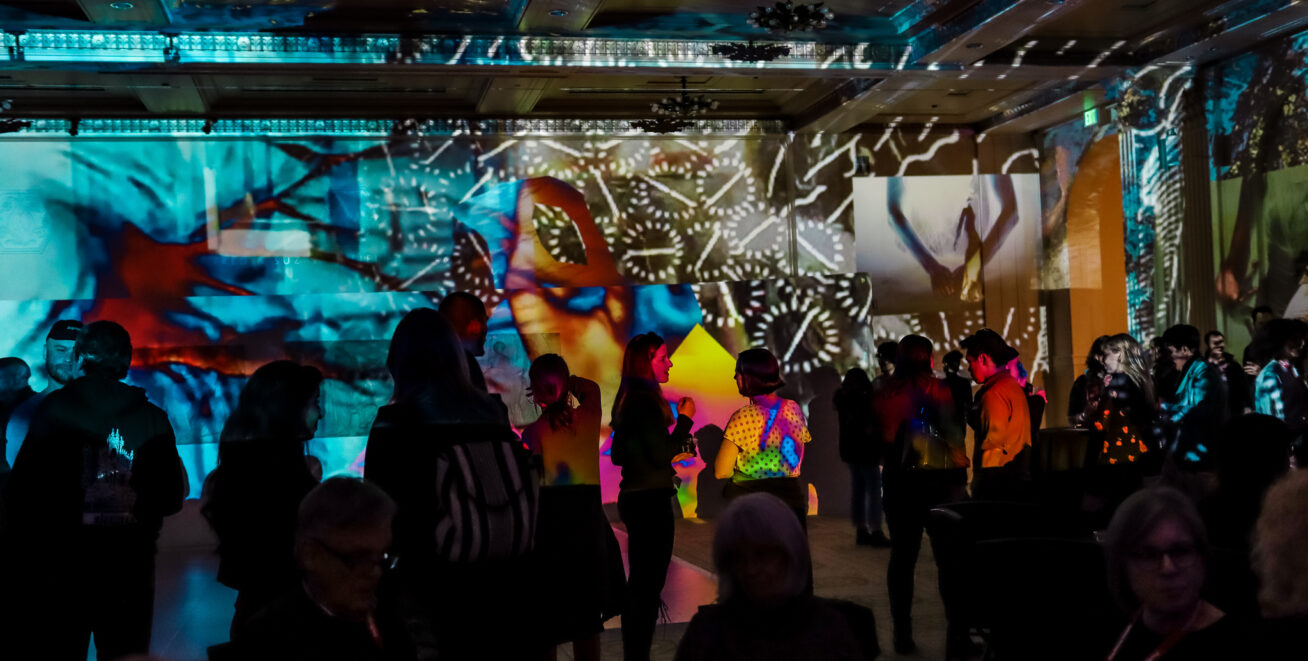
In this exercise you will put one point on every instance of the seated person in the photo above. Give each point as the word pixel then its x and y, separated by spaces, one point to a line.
pixel 342 537
pixel 764 610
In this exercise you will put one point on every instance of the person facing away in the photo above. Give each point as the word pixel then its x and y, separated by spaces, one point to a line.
pixel 763 442
pixel 458 605
pixel 467 314
pixel 1280 536
pixel 1279 390
pixel 764 611
pixel 14 390
pixel 644 448
pixel 1094 373
pixel 1000 417
pixel 925 466
pixel 577 554
pixel 263 473
pixel 860 449
pixel 342 544
pixel 89 490
pixel 59 370
pixel 1157 558
pixel 1199 406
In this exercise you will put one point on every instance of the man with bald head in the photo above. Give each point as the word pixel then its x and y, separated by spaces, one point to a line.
pixel 468 315
pixel 14 375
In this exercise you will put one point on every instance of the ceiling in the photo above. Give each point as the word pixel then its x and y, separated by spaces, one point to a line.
pixel 981 62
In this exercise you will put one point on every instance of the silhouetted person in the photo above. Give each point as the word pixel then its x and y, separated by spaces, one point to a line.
pixel 1279 390
pixel 1238 399
pixel 764 610
pixel 960 386
pixel 87 496
pixel 1255 356
pixel 861 449
pixel 252 497
pixel 59 370
pixel 1001 418
pixel 1199 406
pixel 579 564
pixel 1280 536
pixel 1094 373
pixel 14 390
pixel 644 448
pixel 342 546
pixel 467 314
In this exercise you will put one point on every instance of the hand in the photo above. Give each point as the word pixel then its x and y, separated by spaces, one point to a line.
pixel 944 282
pixel 1108 380
pixel 686 407
pixel 1251 369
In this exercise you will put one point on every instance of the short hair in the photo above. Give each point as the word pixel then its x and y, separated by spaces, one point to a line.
pixel 342 503
pixel 1208 337
pixel 1280 537
pixel 914 356
pixel 11 362
pixel 762 519
pixel 1272 337
pixel 1138 515
pixel 456 306
pixel 557 412
pixel 1261 309
pixel 954 357
pixel 888 351
pixel 1182 336
pixel 989 343
pixel 760 372
pixel 105 349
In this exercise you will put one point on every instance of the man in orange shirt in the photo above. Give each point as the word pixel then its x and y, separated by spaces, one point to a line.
pixel 1001 419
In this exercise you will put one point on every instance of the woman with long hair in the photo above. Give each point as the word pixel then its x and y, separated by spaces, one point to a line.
pixel 252 497
pixel 580 563
pixel 925 466
pixel 645 449
pixel 435 406
pixel 1121 404
pixel 763 442
pixel 1094 373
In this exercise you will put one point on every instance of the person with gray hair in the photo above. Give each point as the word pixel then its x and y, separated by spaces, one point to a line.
pixel 1158 557
pixel 1279 560
pixel 342 548
pixel 764 609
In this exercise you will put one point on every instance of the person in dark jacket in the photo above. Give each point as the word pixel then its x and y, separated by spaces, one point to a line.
pixel 960 386
pixel 459 606
pixel 1238 391
pixel 860 449
pixel 925 466
pixel 342 547
pixel 59 370
pixel 645 449
pixel 1094 373
pixel 89 490
pixel 263 473
pixel 1198 406
pixel 14 390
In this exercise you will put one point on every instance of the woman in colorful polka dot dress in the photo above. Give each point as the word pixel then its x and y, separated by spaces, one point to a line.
pixel 1121 407
pixel 763 443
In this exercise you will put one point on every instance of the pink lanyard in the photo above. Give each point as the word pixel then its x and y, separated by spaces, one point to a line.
pixel 1164 647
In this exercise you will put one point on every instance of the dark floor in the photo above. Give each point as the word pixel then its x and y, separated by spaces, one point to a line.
pixel 193 611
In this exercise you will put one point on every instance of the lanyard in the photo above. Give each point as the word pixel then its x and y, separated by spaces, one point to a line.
pixel 1164 647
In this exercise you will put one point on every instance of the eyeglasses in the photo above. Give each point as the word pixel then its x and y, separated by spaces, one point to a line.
pixel 357 562
pixel 1183 556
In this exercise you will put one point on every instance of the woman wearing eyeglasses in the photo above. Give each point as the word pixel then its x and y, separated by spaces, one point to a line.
pixel 1157 552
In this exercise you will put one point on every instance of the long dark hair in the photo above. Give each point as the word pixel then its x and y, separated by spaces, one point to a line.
pixel 914 358
pixel 557 412
pixel 272 404
pixel 638 371
pixel 430 369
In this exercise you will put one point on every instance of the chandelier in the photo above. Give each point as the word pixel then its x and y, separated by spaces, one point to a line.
pixel 661 125
pixel 789 17
pixel 751 52
pixel 684 106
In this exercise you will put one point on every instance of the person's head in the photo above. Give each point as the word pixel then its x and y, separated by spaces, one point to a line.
pixel 1094 363
pixel 953 362
pixel 282 400
pixel 757 373
pixel 549 377
pixel 1261 315
pixel 60 342
pixel 987 354
pixel 1121 354
pixel 1157 552
pixel 14 375
pixel 342 544
pixel 104 349
pixel 914 357
pixel 1214 344
pixel 425 349
pixel 647 358
pixel 1182 340
pixel 467 314
pixel 856 378
pixel 1281 339
pixel 887 354
pixel 1280 537
pixel 760 551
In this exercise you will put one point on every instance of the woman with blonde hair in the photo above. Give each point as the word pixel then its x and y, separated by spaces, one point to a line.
pixel 1122 405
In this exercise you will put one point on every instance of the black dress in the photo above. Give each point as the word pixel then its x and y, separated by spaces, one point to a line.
pixel 1224 640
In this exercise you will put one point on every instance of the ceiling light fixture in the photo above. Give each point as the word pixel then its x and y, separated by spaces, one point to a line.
pixel 684 106
pixel 121 6
pixel 661 125
pixel 751 52
pixel 558 12
pixel 790 17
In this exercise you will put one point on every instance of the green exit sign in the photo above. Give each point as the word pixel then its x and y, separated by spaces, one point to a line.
pixel 1091 117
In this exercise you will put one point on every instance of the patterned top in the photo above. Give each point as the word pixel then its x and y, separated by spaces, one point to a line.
pixel 1280 393
pixel 1121 413
pixel 761 442
pixel 1196 410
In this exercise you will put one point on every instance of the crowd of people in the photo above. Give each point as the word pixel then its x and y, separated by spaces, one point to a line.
pixel 460 523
